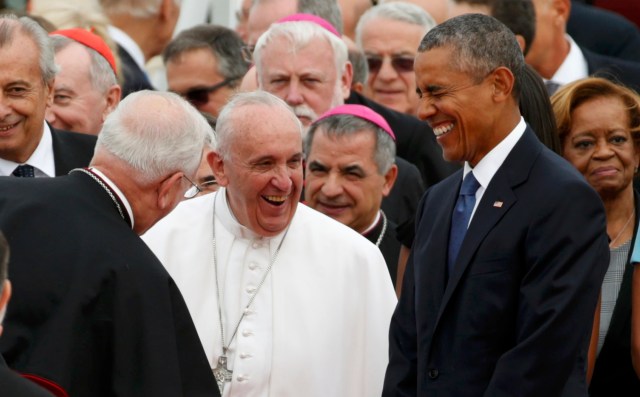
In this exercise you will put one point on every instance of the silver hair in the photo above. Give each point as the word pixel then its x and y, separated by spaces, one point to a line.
pixel 226 127
pixel 396 11
pixel 329 10
pixel 345 125
pixel 299 34
pixel 479 45
pixel 156 133
pixel 136 8
pixel 29 27
pixel 101 74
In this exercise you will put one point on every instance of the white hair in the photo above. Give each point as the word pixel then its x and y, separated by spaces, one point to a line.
pixel 299 34
pixel 136 8
pixel 396 11
pixel 156 134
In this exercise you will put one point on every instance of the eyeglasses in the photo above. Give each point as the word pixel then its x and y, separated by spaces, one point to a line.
pixel 193 190
pixel 199 96
pixel 400 64
pixel 247 53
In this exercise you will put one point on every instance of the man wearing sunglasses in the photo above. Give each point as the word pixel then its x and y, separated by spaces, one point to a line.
pixel 205 66
pixel 389 35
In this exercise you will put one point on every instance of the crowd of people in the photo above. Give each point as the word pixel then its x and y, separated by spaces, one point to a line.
pixel 330 198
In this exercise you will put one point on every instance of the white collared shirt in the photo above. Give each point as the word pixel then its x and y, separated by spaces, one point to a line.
pixel 117 191
pixel 492 161
pixel 574 66
pixel 41 159
pixel 128 44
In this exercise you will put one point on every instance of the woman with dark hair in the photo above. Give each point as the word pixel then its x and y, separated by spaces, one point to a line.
pixel 598 126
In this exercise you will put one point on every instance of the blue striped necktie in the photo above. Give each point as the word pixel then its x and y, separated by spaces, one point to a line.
pixel 461 216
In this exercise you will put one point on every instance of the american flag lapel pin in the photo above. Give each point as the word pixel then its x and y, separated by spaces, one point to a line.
pixel 498 204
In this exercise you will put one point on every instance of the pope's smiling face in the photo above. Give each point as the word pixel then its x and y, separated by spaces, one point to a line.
pixel 263 172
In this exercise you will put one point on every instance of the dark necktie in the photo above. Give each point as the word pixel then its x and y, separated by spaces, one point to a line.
pixel 552 86
pixel 460 217
pixel 24 171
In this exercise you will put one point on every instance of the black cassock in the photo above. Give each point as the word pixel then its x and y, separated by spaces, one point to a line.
pixel 93 310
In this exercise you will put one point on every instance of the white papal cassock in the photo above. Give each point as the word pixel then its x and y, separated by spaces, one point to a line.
pixel 318 325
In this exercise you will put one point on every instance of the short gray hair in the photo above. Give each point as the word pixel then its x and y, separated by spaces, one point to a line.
pixel 226 127
pixel 479 44
pixel 299 34
pixel 328 10
pixel 344 125
pixel 396 11
pixel 224 43
pixel 136 8
pixel 101 74
pixel 155 133
pixel 10 23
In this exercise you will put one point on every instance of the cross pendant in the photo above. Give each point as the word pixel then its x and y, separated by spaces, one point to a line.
pixel 222 373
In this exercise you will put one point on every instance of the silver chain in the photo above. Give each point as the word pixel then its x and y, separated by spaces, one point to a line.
pixel 384 229
pixel 215 265
pixel 105 187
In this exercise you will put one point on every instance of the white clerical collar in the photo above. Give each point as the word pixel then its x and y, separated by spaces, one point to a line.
pixel 573 67
pixel 491 162
pixel 128 44
pixel 373 225
pixel 41 158
pixel 117 191
pixel 230 222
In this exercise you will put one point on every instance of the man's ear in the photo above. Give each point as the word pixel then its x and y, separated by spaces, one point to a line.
pixel 167 190
pixel 562 9
pixel 521 42
pixel 113 99
pixel 389 179
pixel 503 82
pixel 49 92
pixel 216 162
pixel 346 79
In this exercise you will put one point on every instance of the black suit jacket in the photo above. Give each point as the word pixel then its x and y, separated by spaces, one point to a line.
pixel 604 32
pixel 93 310
pixel 415 141
pixel 613 374
pixel 515 317
pixel 14 385
pixel 71 150
pixel 133 78
pixel 402 202
pixel 618 70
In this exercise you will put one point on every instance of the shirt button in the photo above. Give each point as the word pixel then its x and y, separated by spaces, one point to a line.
pixel 245 355
pixel 242 378
pixel 253 266
pixel 433 373
pixel 256 245
pixel 250 289
pixel 247 332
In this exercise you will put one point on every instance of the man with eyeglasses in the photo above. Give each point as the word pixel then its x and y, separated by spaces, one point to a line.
pixel 389 35
pixel 95 313
pixel 205 66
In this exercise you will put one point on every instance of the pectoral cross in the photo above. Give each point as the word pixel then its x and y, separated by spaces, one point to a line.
pixel 222 373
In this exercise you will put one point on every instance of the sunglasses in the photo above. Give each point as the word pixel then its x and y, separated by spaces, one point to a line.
pixel 400 64
pixel 200 96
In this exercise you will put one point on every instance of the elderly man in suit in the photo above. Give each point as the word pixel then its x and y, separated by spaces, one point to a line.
pixel 28 145
pixel 510 252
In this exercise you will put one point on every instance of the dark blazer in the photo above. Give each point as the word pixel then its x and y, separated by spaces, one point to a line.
pixel 515 317
pixel 415 141
pixel 71 150
pixel 625 72
pixel 402 202
pixel 93 310
pixel 613 374
pixel 389 245
pixel 14 385
pixel 604 32
pixel 133 78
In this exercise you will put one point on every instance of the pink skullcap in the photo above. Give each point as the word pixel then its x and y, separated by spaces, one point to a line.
pixel 311 18
pixel 362 112
pixel 90 40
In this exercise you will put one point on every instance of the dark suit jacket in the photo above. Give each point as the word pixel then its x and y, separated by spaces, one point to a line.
pixel 133 78
pixel 71 150
pixel 402 202
pixel 613 374
pixel 627 73
pixel 415 141
pixel 515 317
pixel 93 310
pixel 604 32
pixel 14 385
pixel 389 245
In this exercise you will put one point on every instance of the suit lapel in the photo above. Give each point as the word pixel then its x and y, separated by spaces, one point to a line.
pixel 496 201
